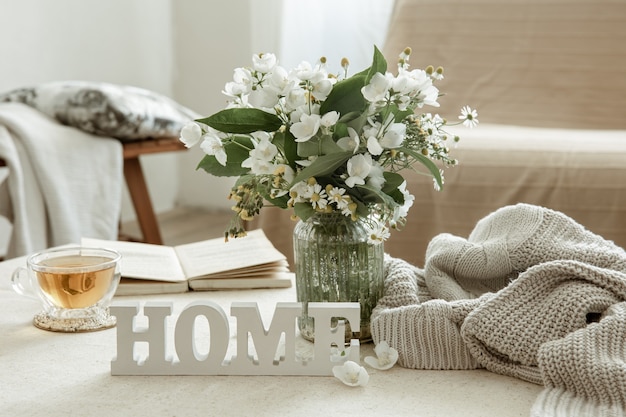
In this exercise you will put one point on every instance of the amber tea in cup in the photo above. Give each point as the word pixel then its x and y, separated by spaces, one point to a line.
pixel 75 286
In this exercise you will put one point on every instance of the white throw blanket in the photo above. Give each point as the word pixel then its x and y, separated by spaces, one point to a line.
pixel 63 183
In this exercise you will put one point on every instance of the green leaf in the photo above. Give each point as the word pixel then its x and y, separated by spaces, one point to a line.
pixel 392 181
pixel 323 145
pixel 278 202
pixel 286 142
pixel 303 210
pixel 434 170
pixel 379 64
pixel 323 165
pixel 243 121
pixel 398 115
pixel 237 150
pixel 375 195
pixel 345 97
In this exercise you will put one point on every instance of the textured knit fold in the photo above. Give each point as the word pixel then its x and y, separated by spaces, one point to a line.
pixel 425 332
pixel 507 242
pixel 586 369
pixel 544 304
pixel 530 294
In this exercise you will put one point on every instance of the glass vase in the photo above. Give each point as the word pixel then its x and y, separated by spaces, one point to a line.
pixel 335 263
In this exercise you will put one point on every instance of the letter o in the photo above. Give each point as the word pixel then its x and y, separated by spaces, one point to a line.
pixel 220 333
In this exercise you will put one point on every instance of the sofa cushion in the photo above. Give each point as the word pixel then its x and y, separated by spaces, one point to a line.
pixel 549 63
pixel 123 112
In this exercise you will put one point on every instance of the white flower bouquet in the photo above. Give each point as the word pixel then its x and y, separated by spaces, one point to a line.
pixel 314 141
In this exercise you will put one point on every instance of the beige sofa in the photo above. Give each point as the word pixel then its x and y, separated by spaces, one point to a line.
pixel 549 81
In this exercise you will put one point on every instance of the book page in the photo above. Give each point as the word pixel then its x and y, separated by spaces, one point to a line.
pixel 213 256
pixel 144 260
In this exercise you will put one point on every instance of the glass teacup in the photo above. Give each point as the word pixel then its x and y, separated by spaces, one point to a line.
pixel 74 285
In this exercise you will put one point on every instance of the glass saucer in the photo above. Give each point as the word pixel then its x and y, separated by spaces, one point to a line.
pixel 100 320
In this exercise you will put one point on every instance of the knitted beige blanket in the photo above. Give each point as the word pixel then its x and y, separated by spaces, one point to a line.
pixel 530 294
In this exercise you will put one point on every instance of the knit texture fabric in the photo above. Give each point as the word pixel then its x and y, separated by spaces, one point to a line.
pixel 507 242
pixel 425 332
pixel 546 303
pixel 585 372
pixel 530 294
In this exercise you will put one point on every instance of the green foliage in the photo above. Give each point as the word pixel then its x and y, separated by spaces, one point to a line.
pixel 237 150
pixel 243 121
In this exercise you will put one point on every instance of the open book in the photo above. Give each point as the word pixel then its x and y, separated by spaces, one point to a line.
pixel 242 263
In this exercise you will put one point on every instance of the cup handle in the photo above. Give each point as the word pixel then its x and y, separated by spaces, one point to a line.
pixel 17 282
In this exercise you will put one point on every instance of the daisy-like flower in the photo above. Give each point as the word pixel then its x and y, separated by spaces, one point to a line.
pixel 337 195
pixel 469 117
pixel 378 234
pixel 386 357
pixel 318 197
pixel 351 374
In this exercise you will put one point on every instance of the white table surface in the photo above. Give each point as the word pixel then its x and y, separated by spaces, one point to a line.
pixel 54 374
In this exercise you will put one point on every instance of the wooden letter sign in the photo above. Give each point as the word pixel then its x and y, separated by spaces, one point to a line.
pixel 187 360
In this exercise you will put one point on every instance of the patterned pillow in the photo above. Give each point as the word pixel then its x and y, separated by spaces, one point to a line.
pixel 122 112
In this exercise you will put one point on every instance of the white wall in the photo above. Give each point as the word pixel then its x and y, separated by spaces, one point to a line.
pixel 186 49
pixel 118 41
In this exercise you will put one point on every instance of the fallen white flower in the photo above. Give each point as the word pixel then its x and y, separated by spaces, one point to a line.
pixel 351 374
pixel 386 357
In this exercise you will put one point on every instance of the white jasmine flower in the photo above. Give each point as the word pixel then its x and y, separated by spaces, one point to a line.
pixel 261 157
pixel 377 88
pixel 386 357
pixel 264 62
pixel 191 134
pixel 321 89
pixel 304 71
pixel 241 84
pixel 265 98
pixel 359 167
pixel 424 91
pixel 469 117
pixel 393 136
pixel 329 119
pixel 212 145
pixel 402 211
pixel 351 374
pixel 373 146
pixel 280 82
pixel 376 179
pixel 306 128
pixel 298 193
pixel 295 99
pixel 403 84
pixel 351 142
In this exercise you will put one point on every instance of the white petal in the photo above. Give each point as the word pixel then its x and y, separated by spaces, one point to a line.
pixel 386 357
pixel 190 134
pixel 351 374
